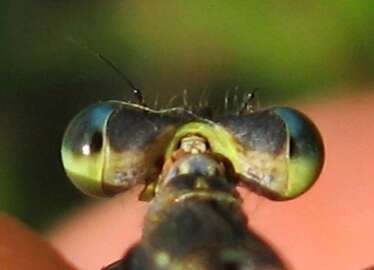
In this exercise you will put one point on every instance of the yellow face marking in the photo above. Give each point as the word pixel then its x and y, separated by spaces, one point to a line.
pixel 201 184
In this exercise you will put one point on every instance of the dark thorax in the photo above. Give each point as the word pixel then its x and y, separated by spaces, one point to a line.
pixel 195 220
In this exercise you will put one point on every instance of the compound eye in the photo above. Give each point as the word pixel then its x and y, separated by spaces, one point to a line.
pixel 305 151
pixel 112 146
pixel 83 147
pixel 278 152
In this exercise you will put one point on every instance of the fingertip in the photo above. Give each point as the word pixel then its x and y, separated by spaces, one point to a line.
pixel 100 233
pixel 21 249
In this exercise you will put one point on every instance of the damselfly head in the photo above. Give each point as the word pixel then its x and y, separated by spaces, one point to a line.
pixel 112 146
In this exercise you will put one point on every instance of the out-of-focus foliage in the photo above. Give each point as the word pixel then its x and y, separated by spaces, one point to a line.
pixel 48 70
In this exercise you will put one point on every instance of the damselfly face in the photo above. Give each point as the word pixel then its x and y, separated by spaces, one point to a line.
pixel 112 146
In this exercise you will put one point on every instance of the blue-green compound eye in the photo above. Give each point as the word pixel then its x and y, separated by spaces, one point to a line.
pixel 112 146
pixel 278 152
pixel 305 151
pixel 83 147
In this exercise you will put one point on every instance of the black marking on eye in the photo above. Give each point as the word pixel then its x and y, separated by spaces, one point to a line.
pixel 293 148
pixel 96 142
pixel 133 128
pixel 262 131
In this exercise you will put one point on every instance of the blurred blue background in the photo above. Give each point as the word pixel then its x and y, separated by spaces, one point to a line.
pixel 310 50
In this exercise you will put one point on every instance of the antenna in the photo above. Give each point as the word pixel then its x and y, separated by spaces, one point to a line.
pixel 134 90
pixel 137 93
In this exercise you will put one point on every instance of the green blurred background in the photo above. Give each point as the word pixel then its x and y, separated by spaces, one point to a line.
pixel 290 50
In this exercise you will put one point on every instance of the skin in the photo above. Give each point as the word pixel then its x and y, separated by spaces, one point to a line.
pixel 20 248
pixel 330 225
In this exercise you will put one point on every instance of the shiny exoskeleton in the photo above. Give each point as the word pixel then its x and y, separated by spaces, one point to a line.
pixel 195 222
pixel 190 167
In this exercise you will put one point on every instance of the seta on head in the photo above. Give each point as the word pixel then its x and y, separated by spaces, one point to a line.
pixel 112 146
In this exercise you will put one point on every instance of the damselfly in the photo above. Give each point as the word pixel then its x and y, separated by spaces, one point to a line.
pixel 190 164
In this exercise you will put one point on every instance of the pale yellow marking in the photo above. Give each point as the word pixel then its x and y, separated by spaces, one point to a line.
pixel 201 184
pixel 193 144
